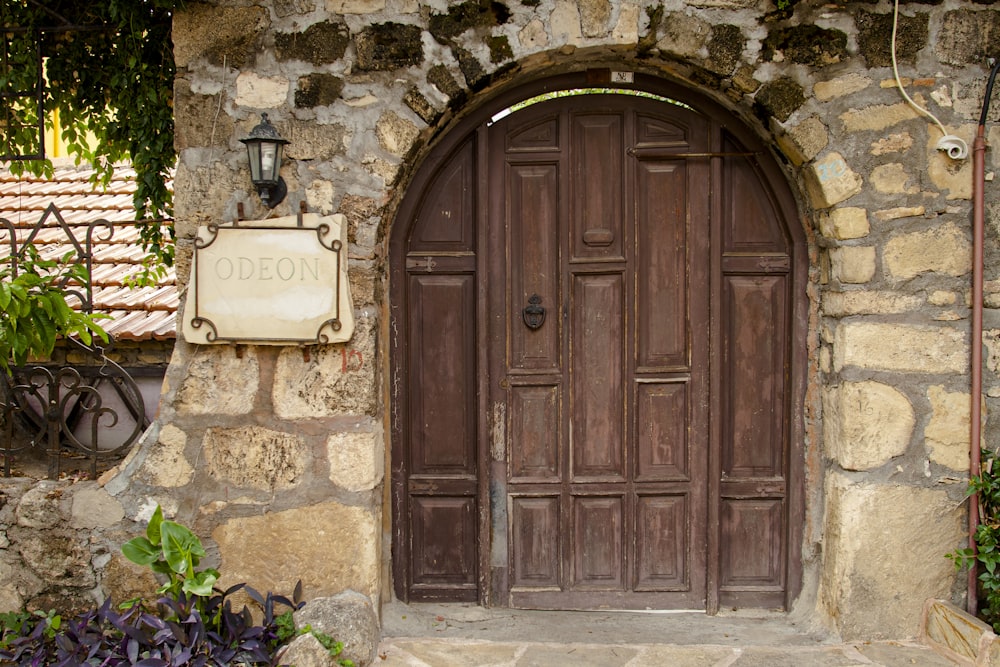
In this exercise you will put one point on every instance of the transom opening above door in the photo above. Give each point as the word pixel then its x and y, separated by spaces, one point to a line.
pixel 574 92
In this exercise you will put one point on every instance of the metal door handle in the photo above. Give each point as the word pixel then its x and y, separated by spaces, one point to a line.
pixel 534 313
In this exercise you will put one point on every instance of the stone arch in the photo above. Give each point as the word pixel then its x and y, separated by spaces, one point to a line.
pixel 671 80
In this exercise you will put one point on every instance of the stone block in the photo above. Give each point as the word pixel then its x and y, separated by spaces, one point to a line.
pixel 780 98
pixel 894 179
pixel 945 249
pixel 905 348
pixel 889 214
pixel 230 35
pixel 846 222
pixel 805 44
pixel 329 546
pixel 354 6
pixel 804 141
pixel 40 506
pixel 968 37
pixel 564 23
pixel 594 17
pixel 253 457
pixel 899 142
pixel 946 436
pixel 396 134
pixel 852 264
pixel 317 90
pixel 123 580
pixel 945 626
pixel 725 48
pixel 684 34
pixel 336 380
pixel 93 507
pixel 626 30
pixel 218 381
pixel 877 117
pixel 952 176
pixel 57 558
pixel 866 424
pixel 350 618
pixel 873 553
pixel 841 86
pixel 389 46
pixel 313 141
pixel 875 37
pixel 320 44
pixel 166 465
pixel 830 181
pixel 196 122
pixel 533 36
pixel 261 92
pixel 357 459
pixel 868 302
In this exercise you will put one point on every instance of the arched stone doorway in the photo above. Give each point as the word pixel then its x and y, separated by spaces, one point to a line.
pixel 598 317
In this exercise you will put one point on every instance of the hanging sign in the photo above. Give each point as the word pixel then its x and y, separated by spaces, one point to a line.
pixel 279 281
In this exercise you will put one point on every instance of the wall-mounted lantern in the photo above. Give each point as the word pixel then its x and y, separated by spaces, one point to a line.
pixel 264 147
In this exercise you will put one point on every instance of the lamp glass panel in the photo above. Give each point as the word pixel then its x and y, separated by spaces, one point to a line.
pixel 269 161
pixel 253 153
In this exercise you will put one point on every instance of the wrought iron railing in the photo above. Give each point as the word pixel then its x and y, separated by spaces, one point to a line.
pixel 93 408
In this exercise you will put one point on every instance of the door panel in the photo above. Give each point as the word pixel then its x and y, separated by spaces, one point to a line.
pixel 593 315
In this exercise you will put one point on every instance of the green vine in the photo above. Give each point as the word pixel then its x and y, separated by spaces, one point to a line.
pixel 113 79
pixel 987 537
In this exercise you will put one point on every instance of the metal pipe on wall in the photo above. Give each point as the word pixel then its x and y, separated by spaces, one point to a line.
pixel 975 413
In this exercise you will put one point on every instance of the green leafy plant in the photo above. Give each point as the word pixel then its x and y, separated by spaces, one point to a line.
pixel 987 538
pixel 112 80
pixel 34 312
pixel 172 550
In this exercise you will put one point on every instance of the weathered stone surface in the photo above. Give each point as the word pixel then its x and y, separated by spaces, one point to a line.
pixel 968 37
pixel 254 457
pixel 338 379
pixel 877 117
pixel 219 382
pixel 945 249
pixel 500 50
pixel 285 8
pixel 947 434
pixel 93 507
pixel 867 562
pixel 312 141
pixel 875 37
pixel 900 347
pixel 19 583
pixel 893 178
pixel 348 617
pixel 123 580
pixel 725 47
pixel 318 90
pixel 533 35
pixel 866 302
pixel 165 464
pixel 356 459
pixel 261 92
pixel 830 181
pixel 840 86
pixel 465 16
pixel 230 35
pixel 953 176
pixel 853 264
pixel 804 141
pixel 354 6
pixel 684 34
pixel 396 134
pixel 866 424
pixel 594 17
pixel 894 143
pixel 564 22
pixel 40 506
pixel 389 46
pixel 885 215
pixel 195 119
pixel 420 105
pixel 626 30
pixel 805 44
pixel 780 98
pixel 319 44
pixel 306 651
pixel 440 77
pixel 57 558
pixel 846 222
pixel 946 626
pixel 329 546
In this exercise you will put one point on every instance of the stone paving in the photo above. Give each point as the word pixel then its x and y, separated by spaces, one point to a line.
pixel 468 636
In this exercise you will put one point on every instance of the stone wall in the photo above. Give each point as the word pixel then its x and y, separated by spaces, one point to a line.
pixel 278 453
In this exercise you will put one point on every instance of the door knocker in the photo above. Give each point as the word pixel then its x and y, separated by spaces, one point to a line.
pixel 534 313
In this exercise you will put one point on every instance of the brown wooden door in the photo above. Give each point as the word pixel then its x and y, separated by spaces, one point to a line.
pixel 605 401
pixel 591 350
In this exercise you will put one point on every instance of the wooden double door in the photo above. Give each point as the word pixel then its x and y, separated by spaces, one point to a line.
pixel 592 308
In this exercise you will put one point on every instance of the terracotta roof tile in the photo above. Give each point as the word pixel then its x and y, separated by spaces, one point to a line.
pixel 147 313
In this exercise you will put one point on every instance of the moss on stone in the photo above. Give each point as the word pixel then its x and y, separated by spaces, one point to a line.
pixel 725 48
pixel 441 78
pixel 318 90
pixel 779 98
pixel 319 44
pixel 389 46
pixel 470 14
pixel 648 40
pixel 806 45
pixel 875 37
pixel 499 49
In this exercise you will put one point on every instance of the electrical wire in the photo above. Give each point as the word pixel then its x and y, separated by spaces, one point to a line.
pixel 953 146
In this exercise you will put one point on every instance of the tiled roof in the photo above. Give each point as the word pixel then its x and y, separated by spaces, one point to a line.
pixel 146 313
